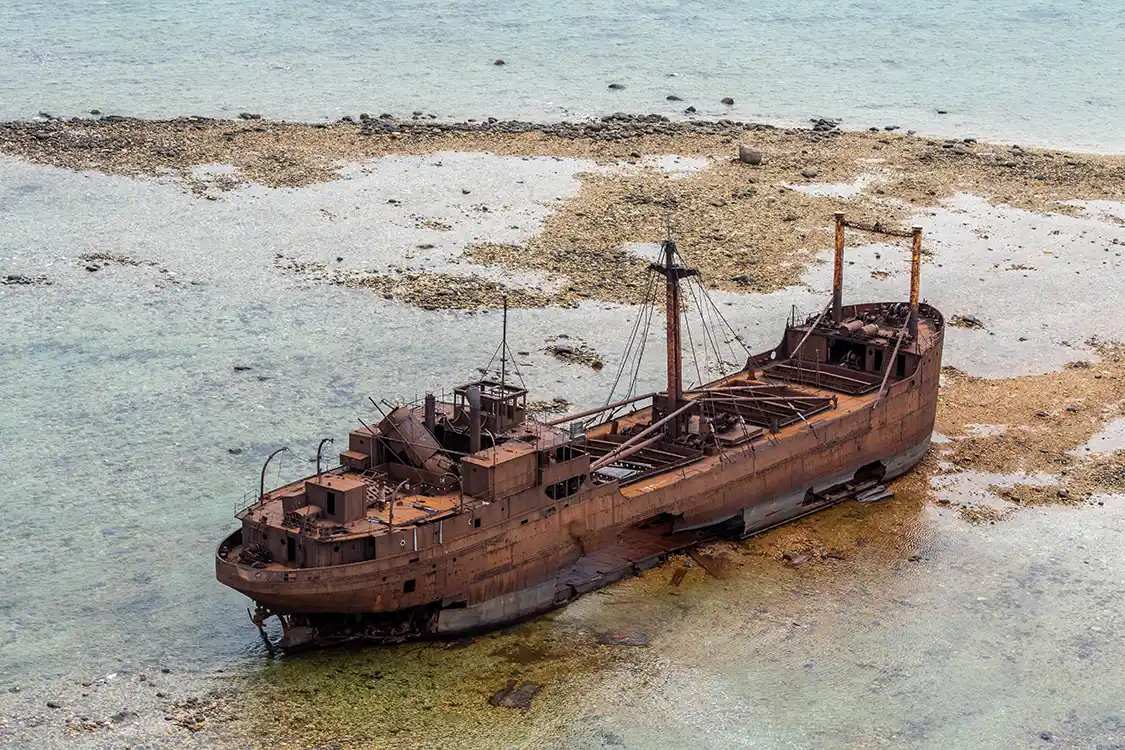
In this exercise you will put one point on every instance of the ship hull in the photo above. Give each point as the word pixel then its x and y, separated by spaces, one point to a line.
pixel 528 558
pixel 698 504
pixel 631 556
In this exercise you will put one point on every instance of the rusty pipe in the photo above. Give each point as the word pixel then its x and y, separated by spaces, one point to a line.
pixel 319 448
pixel 431 412
pixel 391 506
pixel 915 280
pixel 473 392
pixel 611 457
pixel 262 486
pixel 838 271
pixel 623 454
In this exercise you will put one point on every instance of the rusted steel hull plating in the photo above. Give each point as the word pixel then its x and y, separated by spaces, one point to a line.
pixel 382 548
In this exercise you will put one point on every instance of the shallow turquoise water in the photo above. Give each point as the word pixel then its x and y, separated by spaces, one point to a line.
pixel 1049 72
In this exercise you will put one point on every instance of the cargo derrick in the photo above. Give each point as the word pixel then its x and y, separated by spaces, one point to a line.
pixel 461 512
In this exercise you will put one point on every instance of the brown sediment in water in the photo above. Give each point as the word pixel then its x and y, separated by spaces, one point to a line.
pixel 1036 424
pixel 429 695
pixel 1044 417
pixel 743 226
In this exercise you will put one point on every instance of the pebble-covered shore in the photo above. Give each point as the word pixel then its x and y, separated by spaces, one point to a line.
pixel 747 226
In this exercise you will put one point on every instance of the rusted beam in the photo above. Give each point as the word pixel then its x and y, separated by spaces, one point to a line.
pixel 644 433
pixel 887 374
pixel 623 453
pixel 589 412
pixel 837 275
pixel 824 374
pixel 915 280
pixel 877 228
pixel 835 315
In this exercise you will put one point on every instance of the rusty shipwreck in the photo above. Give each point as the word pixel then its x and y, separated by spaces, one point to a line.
pixel 462 513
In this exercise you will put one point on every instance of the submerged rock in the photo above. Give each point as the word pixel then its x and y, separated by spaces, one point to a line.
pixel 622 639
pixel 515 696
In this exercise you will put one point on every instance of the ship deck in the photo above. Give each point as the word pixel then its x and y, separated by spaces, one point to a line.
pixel 660 465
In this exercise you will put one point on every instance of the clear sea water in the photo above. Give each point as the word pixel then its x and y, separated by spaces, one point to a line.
pixel 1048 72
pixel 119 401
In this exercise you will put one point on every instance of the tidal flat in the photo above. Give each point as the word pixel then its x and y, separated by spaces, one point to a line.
pixel 169 320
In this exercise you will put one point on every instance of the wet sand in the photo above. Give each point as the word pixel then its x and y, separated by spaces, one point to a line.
pixel 974 609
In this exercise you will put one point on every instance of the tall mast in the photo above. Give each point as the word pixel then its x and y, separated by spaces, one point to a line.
pixel 673 273
pixel 504 349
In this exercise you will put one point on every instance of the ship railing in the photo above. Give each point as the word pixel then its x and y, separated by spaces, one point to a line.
pixel 249 499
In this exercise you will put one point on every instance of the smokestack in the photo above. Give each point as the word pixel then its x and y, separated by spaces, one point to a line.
pixel 838 271
pixel 431 412
pixel 915 280
pixel 474 418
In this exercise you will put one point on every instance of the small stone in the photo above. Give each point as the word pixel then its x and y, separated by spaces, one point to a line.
pixel 465 191
pixel 95 112
pixel 417 113
pixel 249 116
pixel 363 116
pixel 727 101
pixel 636 155
pixel 1045 736
pixel 808 174
pixel 1063 493
pixel 165 670
pixel 689 111
pixel 617 86
pixel 499 62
